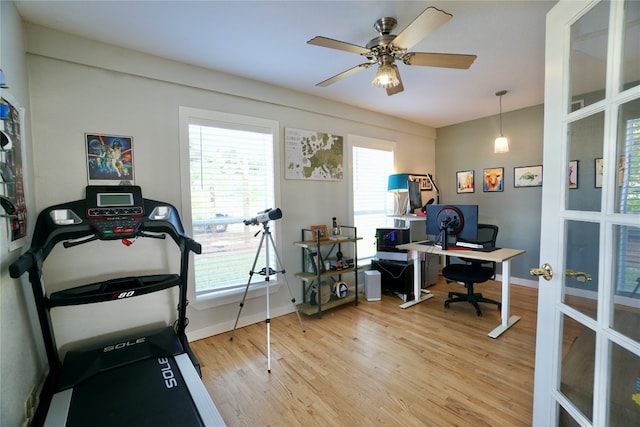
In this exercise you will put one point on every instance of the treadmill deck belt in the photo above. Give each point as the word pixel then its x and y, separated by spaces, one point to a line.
pixel 151 392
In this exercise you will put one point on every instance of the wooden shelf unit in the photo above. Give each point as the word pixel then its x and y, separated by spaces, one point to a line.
pixel 309 278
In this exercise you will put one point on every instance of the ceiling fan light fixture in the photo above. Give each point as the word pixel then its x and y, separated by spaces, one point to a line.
pixel 501 144
pixel 386 77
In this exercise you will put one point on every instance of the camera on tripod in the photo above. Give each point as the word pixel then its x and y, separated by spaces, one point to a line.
pixel 264 216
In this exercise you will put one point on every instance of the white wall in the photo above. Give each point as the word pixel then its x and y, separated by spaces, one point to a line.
pixel 22 359
pixel 81 86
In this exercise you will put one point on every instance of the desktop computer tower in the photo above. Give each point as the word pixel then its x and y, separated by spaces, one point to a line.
pixel 387 239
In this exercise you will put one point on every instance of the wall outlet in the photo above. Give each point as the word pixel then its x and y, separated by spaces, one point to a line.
pixel 29 407
pixel 31 403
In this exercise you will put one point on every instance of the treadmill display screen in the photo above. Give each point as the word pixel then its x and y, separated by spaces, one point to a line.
pixel 115 199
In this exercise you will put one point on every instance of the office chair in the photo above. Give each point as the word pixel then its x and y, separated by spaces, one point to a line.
pixel 473 271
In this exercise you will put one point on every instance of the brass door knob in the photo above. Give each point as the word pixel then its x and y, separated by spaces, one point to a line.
pixel 545 271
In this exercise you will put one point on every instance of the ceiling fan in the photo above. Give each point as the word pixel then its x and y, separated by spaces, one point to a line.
pixel 387 48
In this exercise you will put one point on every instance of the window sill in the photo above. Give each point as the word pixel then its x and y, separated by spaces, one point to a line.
pixel 212 299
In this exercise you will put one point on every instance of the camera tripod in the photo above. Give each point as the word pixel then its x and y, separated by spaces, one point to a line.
pixel 267 271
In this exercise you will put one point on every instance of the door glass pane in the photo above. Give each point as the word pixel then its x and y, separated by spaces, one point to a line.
pixel 585 141
pixel 580 289
pixel 624 394
pixel 626 265
pixel 628 159
pixel 578 358
pixel 565 420
pixel 588 60
pixel 631 49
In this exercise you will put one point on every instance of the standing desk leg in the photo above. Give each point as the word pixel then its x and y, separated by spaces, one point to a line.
pixel 417 282
pixel 507 321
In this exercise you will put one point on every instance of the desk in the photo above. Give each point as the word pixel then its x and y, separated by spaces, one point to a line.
pixel 502 255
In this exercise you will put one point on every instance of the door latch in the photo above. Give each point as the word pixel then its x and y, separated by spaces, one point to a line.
pixel 578 275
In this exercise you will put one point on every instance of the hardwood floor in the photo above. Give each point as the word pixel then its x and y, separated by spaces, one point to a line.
pixel 377 364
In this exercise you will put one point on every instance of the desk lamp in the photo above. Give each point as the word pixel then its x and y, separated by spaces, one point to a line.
pixel 399 185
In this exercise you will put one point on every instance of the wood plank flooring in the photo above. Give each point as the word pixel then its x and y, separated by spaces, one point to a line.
pixel 377 364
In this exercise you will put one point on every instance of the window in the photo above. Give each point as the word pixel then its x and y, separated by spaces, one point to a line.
pixel 231 178
pixel 372 163
pixel 628 190
pixel 629 168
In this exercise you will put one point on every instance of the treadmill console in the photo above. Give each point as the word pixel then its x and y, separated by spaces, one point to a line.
pixel 115 212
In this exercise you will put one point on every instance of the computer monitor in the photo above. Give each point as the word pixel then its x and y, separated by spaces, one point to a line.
pixel 460 221
pixel 415 196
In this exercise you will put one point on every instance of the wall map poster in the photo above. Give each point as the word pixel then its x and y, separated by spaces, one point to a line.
pixel 109 159
pixel 313 155
pixel 11 170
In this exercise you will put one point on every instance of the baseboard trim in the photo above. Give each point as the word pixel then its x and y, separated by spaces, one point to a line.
pixel 242 322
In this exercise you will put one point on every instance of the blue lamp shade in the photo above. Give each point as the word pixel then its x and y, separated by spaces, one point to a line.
pixel 398 182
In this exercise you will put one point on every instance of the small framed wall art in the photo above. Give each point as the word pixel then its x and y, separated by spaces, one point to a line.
pixel 573 174
pixel 465 182
pixel 599 168
pixel 423 181
pixel 425 184
pixel 527 176
pixel 493 180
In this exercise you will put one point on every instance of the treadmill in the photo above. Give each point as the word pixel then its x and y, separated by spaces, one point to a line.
pixel 144 379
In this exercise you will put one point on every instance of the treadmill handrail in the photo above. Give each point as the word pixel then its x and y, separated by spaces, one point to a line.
pixel 47 233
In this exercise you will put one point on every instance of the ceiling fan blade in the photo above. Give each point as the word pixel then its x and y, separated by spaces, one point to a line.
pixel 426 23
pixel 344 74
pixel 444 60
pixel 337 44
pixel 400 87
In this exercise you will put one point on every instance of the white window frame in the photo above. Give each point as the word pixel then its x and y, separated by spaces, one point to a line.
pixel 371 143
pixel 257 288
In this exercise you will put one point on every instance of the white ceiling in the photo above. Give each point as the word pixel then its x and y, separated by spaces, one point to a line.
pixel 266 41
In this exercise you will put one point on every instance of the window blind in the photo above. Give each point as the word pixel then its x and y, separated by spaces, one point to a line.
pixel 232 178
pixel 372 203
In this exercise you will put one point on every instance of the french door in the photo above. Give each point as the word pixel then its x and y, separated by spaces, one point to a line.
pixel 587 369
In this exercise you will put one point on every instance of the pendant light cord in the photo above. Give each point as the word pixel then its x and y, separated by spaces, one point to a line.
pixel 501 115
pixel 500 94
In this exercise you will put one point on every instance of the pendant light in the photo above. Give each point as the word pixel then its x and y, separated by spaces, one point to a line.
pixel 501 144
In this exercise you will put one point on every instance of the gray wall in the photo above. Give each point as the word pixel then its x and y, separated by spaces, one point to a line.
pixel 516 211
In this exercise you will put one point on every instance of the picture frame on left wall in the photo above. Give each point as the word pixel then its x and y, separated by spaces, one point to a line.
pixel 12 155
